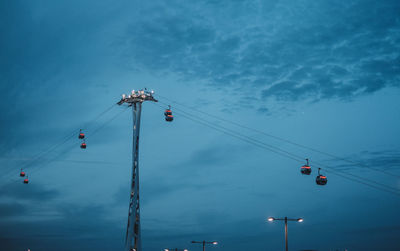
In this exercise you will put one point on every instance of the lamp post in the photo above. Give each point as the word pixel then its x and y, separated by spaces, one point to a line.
pixel 205 242
pixel 271 219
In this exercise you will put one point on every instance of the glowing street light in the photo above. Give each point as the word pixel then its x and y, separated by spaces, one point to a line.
pixel 271 219
pixel 206 242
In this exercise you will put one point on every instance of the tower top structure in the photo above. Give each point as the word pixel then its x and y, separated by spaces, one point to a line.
pixel 137 97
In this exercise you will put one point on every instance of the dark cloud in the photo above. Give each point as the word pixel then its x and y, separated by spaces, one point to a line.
pixel 373 230
pixel 11 209
pixel 201 162
pixel 264 110
pixel 380 160
pixel 77 228
pixel 32 217
pixel 31 192
pixel 285 50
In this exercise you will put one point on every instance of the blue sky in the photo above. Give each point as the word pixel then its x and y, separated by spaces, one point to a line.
pixel 323 74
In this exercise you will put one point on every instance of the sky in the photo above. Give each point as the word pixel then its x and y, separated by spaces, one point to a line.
pixel 320 74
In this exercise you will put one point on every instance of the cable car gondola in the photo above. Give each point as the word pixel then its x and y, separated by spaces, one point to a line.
pixel 306 169
pixel 22 173
pixel 168 114
pixel 81 134
pixel 26 181
pixel 321 179
pixel 83 145
pixel 169 118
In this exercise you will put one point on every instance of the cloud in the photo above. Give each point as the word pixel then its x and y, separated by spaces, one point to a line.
pixel 31 192
pixel 11 209
pixel 51 52
pixel 379 160
pixel 84 229
pixel 34 219
pixel 280 49
pixel 185 175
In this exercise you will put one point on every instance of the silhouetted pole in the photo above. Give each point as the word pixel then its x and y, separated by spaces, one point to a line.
pixel 286 234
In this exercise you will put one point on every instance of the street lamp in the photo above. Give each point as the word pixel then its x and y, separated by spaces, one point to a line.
pixel 271 219
pixel 205 242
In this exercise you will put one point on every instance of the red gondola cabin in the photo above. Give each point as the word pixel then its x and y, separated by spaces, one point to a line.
pixel 321 179
pixel 81 134
pixel 306 169
pixel 169 118
pixel 168 112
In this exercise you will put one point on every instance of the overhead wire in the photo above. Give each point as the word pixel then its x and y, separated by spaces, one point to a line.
pixel 95 131
pixel 245 138
pixel 31 162
pixel 236 134
pixel 284 153
pixel 38 156
pixel 37 168
pixel 62 160
pixel 284 140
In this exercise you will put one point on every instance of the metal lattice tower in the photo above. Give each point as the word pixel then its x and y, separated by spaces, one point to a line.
pixel 133 236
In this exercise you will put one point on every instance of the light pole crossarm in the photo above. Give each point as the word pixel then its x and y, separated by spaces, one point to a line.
pixel 206 242
pixel 285 219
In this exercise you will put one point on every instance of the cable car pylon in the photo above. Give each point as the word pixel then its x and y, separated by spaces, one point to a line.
pixel 133 236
